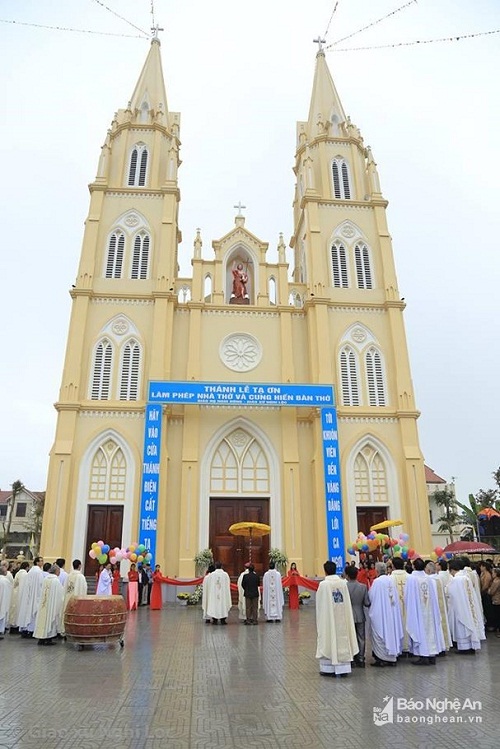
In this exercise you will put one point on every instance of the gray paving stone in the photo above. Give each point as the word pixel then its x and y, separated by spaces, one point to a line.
pixel 179 684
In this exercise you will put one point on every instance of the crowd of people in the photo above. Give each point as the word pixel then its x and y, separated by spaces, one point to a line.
pixel 33 599
pixel 418 610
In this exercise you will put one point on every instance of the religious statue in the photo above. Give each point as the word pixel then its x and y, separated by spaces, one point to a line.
pixel 240 280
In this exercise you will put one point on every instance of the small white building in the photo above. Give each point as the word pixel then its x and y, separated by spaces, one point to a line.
pixel 19 513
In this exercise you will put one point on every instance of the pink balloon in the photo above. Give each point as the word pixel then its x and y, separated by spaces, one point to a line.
pixel 92 554
pixel 100 543
pixel 112 560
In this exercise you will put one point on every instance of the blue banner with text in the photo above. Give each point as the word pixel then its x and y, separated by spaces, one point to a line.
pixel 331 462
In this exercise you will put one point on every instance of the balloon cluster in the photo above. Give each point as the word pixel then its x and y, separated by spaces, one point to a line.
pixel 439 553
pixel 397 547
pixel 134 553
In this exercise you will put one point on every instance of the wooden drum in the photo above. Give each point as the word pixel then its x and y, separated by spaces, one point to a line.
pixel 95 619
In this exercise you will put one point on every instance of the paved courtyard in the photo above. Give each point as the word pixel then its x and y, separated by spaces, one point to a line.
pixel 181 684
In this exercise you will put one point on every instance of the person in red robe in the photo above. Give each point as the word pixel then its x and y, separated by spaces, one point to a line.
pixel 293 588
pixel 115 585
pixel 133 588
pixel 363 574
pixel 156 596
pixel 371 575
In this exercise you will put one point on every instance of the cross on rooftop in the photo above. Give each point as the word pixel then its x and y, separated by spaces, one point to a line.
pixel 240 208
pixel 155 30
pixel 319 41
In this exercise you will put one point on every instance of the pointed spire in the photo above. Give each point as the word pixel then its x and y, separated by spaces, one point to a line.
pixel 198 244
pixel 325 105
pixel 150 94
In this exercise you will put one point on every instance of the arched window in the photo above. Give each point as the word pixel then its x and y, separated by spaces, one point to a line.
pixel 339 266
pixel 130 371
pixel 108 474
pixel 207 288
pixel 363 269
pixel 272 291
pixel 375 378
pixel 349 377
pixel 140 259
pixel 341 181
pixel 101 370
pixel 370 477
pixel 239 466
pixel 116 248
pixel 138 166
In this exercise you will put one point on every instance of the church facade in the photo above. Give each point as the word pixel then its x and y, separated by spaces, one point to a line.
pixel 337 320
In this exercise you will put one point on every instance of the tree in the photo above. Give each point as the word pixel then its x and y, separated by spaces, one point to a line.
pixel 17 488
pixel 445 498
pixel 34 523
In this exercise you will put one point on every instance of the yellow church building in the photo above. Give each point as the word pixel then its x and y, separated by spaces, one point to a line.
pixel 245 393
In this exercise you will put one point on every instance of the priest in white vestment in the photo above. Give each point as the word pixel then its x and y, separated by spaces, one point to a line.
pixel 74 585
pixel 105 582
pixel 48 618
pixel 217 595
pixel 399 575
pixel 423 618
pixel 29 598
pixel 63 575
pixel 14 601
pixel 432 570
pixel 385 618
pixel 464 613
pixel 337 643
pixel 5 595
pixel 273 599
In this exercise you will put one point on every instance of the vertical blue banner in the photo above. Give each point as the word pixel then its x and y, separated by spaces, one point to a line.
pixel 148 516
pixel 331 459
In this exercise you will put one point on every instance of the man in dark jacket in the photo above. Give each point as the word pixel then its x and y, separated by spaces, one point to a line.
pixel 250 585
pixel 359 599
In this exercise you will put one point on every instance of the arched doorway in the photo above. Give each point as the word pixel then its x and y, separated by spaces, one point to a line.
pixel 239 491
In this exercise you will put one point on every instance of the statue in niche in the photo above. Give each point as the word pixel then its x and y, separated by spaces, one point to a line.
pixel 239 294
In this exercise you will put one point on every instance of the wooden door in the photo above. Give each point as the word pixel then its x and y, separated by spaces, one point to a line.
pixel 368 516
pixel 233 551
pixel 104 523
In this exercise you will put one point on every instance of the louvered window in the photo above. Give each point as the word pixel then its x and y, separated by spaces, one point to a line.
pixel 130 371
pixel 133 167
pixel 138 166
pixel 341 181
pixel 349 377
pixel 101 372
pixel 363 268
pixel 339 266
pixel 108 473
pixel 375 378
pixel 140 259
pixel 116 248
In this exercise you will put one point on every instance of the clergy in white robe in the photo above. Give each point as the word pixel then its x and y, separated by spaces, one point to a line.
pixel 14 601
pixel 75 585
pixel 432 571
pixel 399 575
pixel 63 575
pixel 105 582
pixel 464 613
pixel 217 595
pixel 272 594
pixel 336 634
pixel 423 618
pixel 5 595
pixel 48 618
pixel 386 623
pixel 474 578
pixel 29 598
pixel 443 573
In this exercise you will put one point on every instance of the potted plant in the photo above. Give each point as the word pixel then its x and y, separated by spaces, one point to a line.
pixel 195 597
pixel 202 560
pixel 304 597
pixel 183 598
pixel 279 558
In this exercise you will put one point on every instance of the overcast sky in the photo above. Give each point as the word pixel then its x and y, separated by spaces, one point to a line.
pixel 241 76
